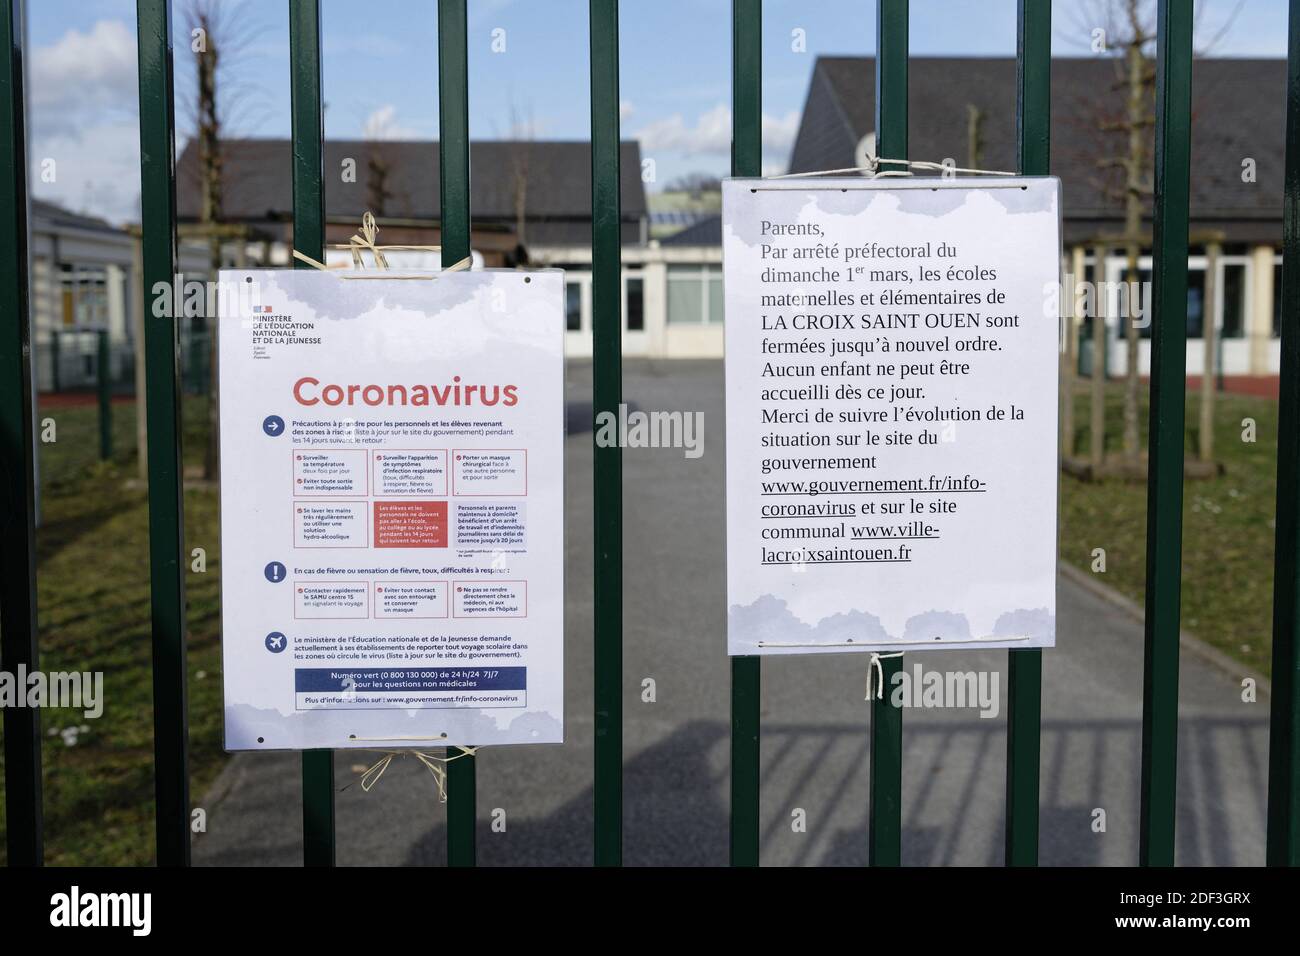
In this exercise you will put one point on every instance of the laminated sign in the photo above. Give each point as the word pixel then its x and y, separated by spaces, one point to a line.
pixel 892 358
pixel 391 509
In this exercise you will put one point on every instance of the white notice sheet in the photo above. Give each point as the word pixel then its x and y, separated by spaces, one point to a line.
pixel 891 362
pixel 391 509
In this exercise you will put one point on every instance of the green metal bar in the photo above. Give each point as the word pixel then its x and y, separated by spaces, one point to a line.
pixel 18 648
pixel 163 406
pixel 884 817
pixel 1025 668
pixel 746 672
pixel 309 239
pixel 1284 725
pixel 607 373
pixel 105 389
pixel 1165 449
pixel 453 159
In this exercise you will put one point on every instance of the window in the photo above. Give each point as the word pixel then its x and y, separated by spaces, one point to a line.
pixel 695 295
pixel 1196 310
pixel 573 306
pixel 84 295
pixel 1234 300
pixel 634 307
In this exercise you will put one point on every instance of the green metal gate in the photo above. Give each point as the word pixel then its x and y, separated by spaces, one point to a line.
pixel 166 534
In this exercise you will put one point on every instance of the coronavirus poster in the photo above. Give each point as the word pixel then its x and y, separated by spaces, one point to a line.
pixel 891 363
pixel 391 509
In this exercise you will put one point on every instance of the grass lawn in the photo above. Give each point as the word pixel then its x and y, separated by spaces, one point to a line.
pixel 93 597
pixel 1227 595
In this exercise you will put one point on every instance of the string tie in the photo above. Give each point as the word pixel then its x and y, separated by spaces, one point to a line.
pixel 874 669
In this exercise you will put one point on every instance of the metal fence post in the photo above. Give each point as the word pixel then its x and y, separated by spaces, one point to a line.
pixel 162 374
pixel 746 672
pixel 1025 667
pixel 18 648
pixel 453 160
pixel 1165 453
pixel 309 239
pixel 607 374
pixel 1284 724
pixel 885 808
pixel 104 384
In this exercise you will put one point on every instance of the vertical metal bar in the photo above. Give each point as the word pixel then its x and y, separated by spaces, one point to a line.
pixel 1165 450
pixel 309 239
pixel 105 389
pixel 453 160
pixel 885 810
pixel 22 725
pixel 1025 667
pixel 163 406
pixel 746 672
pixel 607 373
pixel 1284 725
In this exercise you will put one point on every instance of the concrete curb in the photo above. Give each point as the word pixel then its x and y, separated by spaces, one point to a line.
pixel 1211 655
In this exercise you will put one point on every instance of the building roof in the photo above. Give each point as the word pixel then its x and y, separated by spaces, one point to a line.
pixel 705 232
pixel 257 184
pixel 1238 113
pixel 51 217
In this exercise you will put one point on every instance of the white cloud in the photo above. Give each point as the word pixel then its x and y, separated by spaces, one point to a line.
pixel 711 133
pixel 382 125
pixel 779 131
pixel 625 109
pixel 97 170
pixel 81 75
pixel 83 97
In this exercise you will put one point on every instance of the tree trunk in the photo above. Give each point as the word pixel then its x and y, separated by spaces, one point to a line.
pixel 1097 425
pixel 1131 338
pixel 137 332
pixel 209 133
pixel 1210 338
pixel 1134 168
pixel 1069 354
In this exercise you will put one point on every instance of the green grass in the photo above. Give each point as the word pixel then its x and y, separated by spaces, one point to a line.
pixel 1227 594
pixel 93 613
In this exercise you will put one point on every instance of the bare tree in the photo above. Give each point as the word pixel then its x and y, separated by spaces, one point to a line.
pixel 1125 30
pixel 522 134
pixel 219 32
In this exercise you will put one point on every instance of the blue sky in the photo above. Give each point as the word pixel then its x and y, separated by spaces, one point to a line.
pixel 380 73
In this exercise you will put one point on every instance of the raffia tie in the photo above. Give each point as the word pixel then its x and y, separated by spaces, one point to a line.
pixel 364 239
pixel 437 767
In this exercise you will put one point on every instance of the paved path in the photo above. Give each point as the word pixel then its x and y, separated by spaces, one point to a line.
pixel 815 722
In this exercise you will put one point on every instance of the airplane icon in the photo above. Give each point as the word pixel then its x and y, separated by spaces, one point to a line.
pixel 276 642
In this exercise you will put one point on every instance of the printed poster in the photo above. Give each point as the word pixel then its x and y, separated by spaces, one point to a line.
pixel 392 509
pixel 892 355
